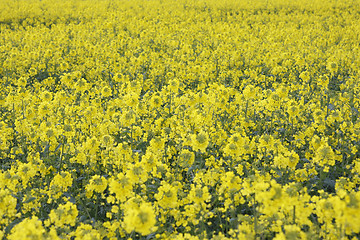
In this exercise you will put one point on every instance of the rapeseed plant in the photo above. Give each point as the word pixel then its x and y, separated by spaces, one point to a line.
pixel 179 119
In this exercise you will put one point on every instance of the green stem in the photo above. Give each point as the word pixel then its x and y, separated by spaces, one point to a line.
pixel 255 218
pixel 62 154
pixel 294 215
pixel 246 108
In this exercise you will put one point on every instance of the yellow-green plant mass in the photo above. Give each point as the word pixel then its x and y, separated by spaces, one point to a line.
pixel 186 119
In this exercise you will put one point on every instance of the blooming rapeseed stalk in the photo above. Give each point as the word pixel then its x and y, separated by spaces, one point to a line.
pixel 30 228
pixel 65 214
pixel 140 219
pixel 186 158
pixel 200 141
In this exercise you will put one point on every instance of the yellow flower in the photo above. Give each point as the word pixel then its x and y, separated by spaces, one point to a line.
pixel 106 91
pixel 323 81
pixel 150 160
pixel 44 108
pixel 292 232
pixel 325 155
pixel 28 229
pixel 27 171
pixel 66 79
pixel 131 99
pixel 155 101
pixel 305 76
pixel 68 131
pixel 32 71
pixel 128 102
pixel 97 184
pixel 106 141
pixel 137 173
pixel 293 159
pixel 46 96
pixel 22 81
pixel 230 182
pixel 249 92
pixel 121 187
pixel 167 196
pixel 286 159
pixel 199 195
pixel 65 214
pixel 174 85
pixel 59 184
pixel 86 232
pixel 7 206
pixel 231 149
pixel 128 118
pixel 81 85
pixel 92 145
pixel 186 158
pixel 332 67
pixel 79 158
pixel 200 141
pixel 141 219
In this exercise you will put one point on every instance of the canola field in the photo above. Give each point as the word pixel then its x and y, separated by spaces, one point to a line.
pixel 186 119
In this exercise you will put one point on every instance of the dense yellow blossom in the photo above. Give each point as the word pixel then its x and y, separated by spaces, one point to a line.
pixel 30 228
pixel 178 119
pixel 186 158
pixel 60 183
pixel 167 196
pixel 140 219
pixel 7 206
pixel 65 214
pixel 86 232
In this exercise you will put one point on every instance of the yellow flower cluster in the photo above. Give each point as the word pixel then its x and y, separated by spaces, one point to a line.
pixel 179 119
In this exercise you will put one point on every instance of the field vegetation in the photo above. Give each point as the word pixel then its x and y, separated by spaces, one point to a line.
pixel 186 119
